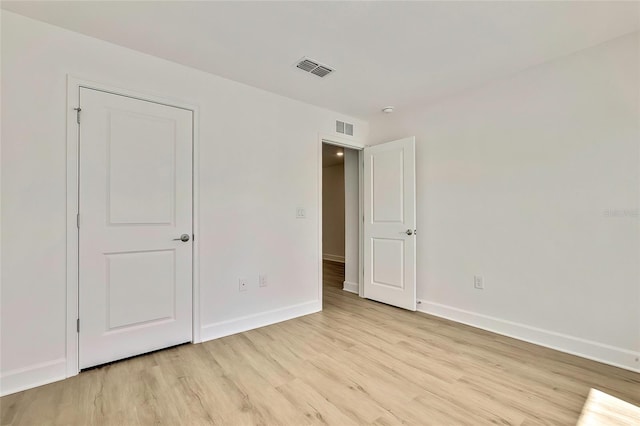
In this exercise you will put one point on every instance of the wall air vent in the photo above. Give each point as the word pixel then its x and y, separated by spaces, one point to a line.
pixel 314 67
pixel 344 128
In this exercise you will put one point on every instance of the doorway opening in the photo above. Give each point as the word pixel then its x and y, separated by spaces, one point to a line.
pixel 385 243
pixel 340 218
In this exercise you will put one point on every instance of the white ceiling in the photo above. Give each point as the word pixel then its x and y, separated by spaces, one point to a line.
pixel 404 54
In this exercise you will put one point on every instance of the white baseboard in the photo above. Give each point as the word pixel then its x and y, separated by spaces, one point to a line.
pixel 333 258
pixel 595 351
pixel 249 322
pixel 350 287
pixel 33 376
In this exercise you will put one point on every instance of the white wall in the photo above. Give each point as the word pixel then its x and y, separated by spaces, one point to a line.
pixel 258 163
pixel 352 222
pixel 333 212
pixel 532 183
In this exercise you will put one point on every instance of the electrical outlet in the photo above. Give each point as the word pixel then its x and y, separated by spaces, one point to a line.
pixel 242 284
pixel 301 213
pixel 262 279
pixel 478 282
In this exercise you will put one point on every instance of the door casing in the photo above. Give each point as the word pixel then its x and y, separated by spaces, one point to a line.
pixel 72 285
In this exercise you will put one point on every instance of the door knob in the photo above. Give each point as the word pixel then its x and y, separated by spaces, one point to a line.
pixel 184 238
pixel 409 232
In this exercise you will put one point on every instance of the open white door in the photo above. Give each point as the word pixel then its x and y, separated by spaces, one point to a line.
pixel 390 223
pixel 135 227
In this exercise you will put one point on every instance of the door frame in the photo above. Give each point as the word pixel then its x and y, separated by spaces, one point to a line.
pixel 355 144
pixel 74 84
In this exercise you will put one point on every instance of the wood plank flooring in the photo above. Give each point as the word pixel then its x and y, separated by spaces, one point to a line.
pixel 357 362
pixel 603 409
pixel 332 274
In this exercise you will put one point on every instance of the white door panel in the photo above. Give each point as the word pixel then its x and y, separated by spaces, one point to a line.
pixel 135 280
pixel 141 191
pixel 389 223
pixel 136 276
pixel 387 262
pixel 387 186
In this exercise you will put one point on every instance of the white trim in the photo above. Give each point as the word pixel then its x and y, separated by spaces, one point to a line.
pixel 595 351
pixel 350 287
pixel 195 169
pixel 335 139
pixel 333 258
pixel 73 92
pixel 319 254
pixel 361 222
pixel 30 377
pixel 73 100
pixel 262 319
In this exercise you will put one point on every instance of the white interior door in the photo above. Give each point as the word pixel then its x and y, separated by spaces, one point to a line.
pixel 135 278
pixel 390 223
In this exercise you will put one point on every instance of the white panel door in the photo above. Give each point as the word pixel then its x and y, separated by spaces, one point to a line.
pixel 390 223
pixel 135 277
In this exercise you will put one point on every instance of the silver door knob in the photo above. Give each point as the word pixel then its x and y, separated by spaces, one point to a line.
pixel 409 232
pixel 184 238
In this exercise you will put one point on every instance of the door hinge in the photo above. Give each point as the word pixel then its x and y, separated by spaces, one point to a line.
pixel 78 110
pixel 78 325
pixel 78 220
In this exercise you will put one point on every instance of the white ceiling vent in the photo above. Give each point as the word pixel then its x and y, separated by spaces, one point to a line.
pixel 314 67
pixel 321 71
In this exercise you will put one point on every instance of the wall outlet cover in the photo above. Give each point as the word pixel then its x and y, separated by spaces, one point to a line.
pixel 243 285
pixel 478 282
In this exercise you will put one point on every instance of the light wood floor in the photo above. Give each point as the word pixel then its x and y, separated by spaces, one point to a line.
pixel 357 362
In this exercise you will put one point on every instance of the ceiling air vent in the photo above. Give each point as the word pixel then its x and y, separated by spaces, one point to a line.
pixel 321 71
pixel 313 67
pixel 307 65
